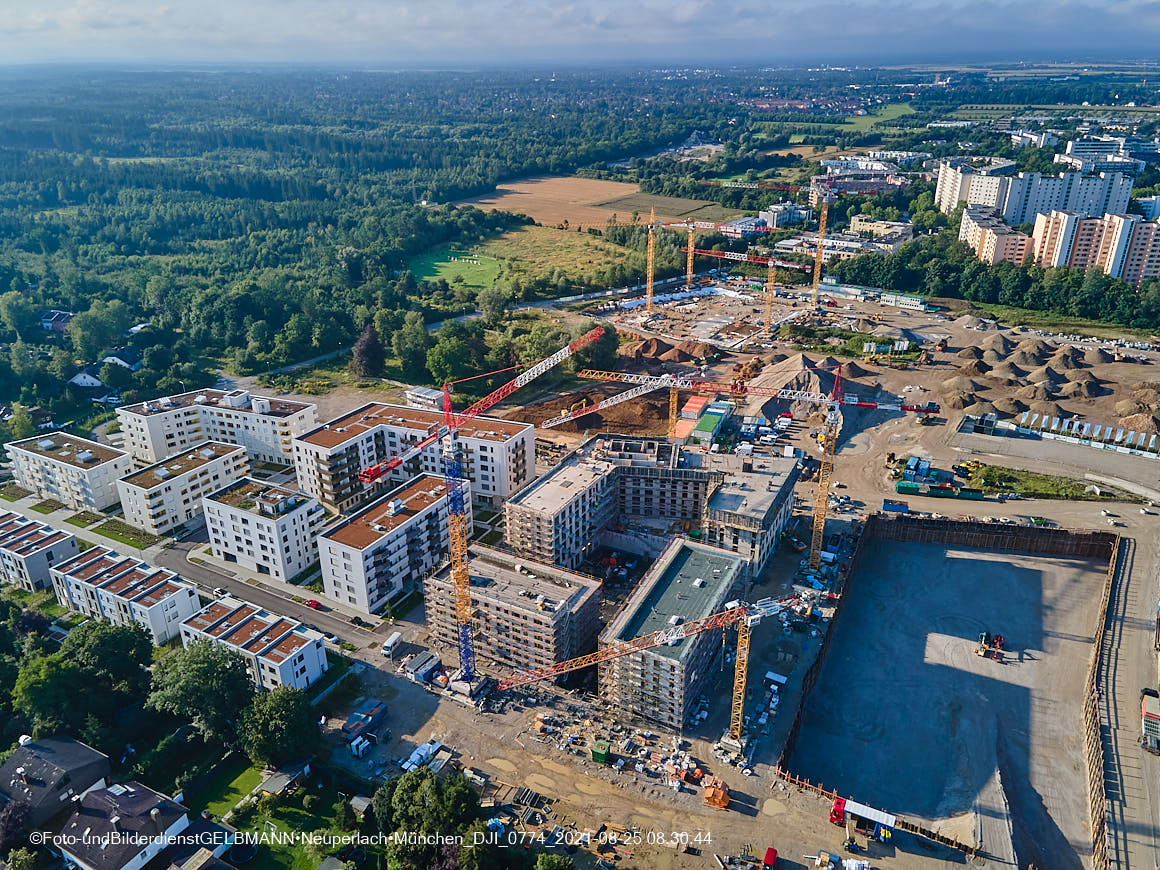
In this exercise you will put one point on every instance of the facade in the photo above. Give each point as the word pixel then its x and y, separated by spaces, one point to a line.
pixel 743 503
pixel 783 213
pixel 525 614
pixel 425 398
pixel 264 528
pixel 1020 198
pixel 862 224
pixel 961 179
pixel 164 496
pixel 121 827
pixel 80 473
pixel 278 651
pixel 389 546
pixel 660 685
pixel 1034 139
pixel 29 548
pixel 157 429
pixel 822 186
pixel 840 246
pixel 48 774
pixel 499 456
pixel 102 584
pixel 1120 245
pixel 991 239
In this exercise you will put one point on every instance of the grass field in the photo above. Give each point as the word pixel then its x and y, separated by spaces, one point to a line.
pixel 887 113
pixel 12 492
pixel 588 202
pixel 230 783
pixel 530 251
pixel 1044 320
pixel 47 506
pixel 997 478
pixel 127 534
pixel 84 519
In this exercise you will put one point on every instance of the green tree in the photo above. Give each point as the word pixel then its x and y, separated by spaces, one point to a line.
pixel 19 314
pixel 492 303
pixel 117 655
pixel 448 360
pixel 21 425
pixel 50 691
pixel 369 356
pixel 115 377
pixel 100 328
pixel 410 343
pixel 278 726
pixel 546 861
pixel 21 859
pixel 207 683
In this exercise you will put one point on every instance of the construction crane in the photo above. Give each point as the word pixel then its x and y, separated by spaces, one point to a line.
pixel 744 616
pixel 446 435
pixel 771 262
pixel 643 384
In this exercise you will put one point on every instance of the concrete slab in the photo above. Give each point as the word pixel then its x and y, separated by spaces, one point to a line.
pixel 906 717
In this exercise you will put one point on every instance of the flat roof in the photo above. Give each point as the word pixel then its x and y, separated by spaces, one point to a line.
pixel 214 399
pixel 69 449
pixel 185 462
pixel 689 581
pixel 362 420
pixel 751 493
pixel 494 575
pixel 370 524
pixel 255 492
pixel 210 614
pixel 88 555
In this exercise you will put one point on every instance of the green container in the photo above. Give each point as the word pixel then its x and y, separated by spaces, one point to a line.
pixel 907 487
pixel 601 751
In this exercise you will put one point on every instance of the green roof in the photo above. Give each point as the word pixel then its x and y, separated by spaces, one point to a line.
pixel 708 423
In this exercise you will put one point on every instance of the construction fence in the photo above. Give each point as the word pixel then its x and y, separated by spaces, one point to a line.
pixel 1001 537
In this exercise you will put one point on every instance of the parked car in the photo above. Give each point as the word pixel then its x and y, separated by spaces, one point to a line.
pixel 314 605
pixel 221 592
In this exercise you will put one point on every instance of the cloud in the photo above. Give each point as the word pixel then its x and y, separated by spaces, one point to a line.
pixel 575 31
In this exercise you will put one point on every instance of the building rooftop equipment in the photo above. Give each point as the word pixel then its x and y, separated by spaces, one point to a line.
pixel 370 524
pixel 183 463
pixel 239 401
pixel 259 497
pixel 362 420
pixel 70 449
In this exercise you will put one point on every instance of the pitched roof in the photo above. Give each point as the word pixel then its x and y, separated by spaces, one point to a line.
pixel 46 772
pixel 127 809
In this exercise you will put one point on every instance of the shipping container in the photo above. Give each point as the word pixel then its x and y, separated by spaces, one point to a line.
pixel 906 487
pixel 970 493
pixel 896 506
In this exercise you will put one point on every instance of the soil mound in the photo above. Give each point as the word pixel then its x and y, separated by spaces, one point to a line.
pixel 971 352
pixel 998 343
pixel 1140 423
pixel 1010 405
pixel 958 400
pixel 974 368
pixel 1035 393
pixel 1097 356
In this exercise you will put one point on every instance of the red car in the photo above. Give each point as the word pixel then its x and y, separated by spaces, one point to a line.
pixel 314 605
pixel 770 860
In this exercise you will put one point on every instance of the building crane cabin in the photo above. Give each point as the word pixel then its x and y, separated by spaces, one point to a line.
pixel 446 436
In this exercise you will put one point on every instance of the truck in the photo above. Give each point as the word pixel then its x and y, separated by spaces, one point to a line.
pixel 770 859
pixel 1150 720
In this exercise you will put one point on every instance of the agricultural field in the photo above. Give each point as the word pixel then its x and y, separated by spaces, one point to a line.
pixel 529 252
pixel 588 202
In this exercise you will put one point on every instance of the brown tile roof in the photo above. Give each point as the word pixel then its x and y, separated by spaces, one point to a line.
pixel 183 463
pixel 361 420
pixel 373 522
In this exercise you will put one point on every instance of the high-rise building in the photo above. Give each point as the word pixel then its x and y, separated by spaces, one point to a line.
pixel 525 614
pixel 499 456
pixel 75 471
pixel 264 528
pixel 157 429
pixel 1121 245
pixel 388 547
pixel 992 239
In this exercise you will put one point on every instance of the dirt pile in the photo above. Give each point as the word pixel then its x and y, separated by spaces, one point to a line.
pixel 1045 375
pixel 1027 359
pixel 1010 405
pixel 652 348
pixel 1008 369
pixel 1094 356
pixel 696 348
pixel 969 321
pixel 1068 358
pixel 1048 409
pixel 971 352
pixel 1035 393
pixel 979 408
pixel 675 354
pixel 974 368
pixel 853 370
pixel 961 383
pixel 957 399
pixel 998 343
pixel 1128 407
pixel 1140 423
pixel 1079 390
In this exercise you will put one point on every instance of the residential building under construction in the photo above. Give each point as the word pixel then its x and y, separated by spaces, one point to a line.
pixel 661 684
pixel 525 614
pixel 738 503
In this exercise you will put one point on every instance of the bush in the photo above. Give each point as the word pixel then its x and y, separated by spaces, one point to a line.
pixel 310 802
pixel 268 804
pixel 243 814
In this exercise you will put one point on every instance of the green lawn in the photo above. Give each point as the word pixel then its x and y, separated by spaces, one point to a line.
pixel 127 534
pixel 473 269
pixel 493 537
pixel 48 506
pixel 291 817
pixel 42 602
pixel 337 666
pixel 231 782
pixel 890 112
pixel 1050 322
pixel 998 478
pixel 407 604
pixel 84 519
pixel 12 492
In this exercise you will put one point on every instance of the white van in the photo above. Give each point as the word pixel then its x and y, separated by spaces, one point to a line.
pixel 390 643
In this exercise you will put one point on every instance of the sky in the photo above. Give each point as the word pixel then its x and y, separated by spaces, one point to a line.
pixel 622 32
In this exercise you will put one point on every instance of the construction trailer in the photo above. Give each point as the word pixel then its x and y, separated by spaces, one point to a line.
pixel 853 816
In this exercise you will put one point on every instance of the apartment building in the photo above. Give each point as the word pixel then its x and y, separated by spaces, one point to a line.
pixel 688 581
pixel 29 548
pixel 388 547
pixel 164 496
pixel 499 456
pixel 278 651
pixel 264 528
pixel 963 179
pixel 840 246
pixel 1120 245
pixel 525 614
pixel 863 224
pixel 102 584
pixel 157 429
pixel 1019 199
pixel 782 213
pixel 75 471
pixel 991 239
pixel 742 502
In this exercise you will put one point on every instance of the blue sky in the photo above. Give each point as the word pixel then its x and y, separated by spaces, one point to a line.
pixel 453 32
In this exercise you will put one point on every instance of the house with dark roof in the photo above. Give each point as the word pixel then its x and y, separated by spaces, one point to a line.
pixel 122 827
pixel 48 773
pixel 54 320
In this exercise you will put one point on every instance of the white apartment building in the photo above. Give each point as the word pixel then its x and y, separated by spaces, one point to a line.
pixel 1120 245
pixel 29 548
pixel 161 497
pixel 960 179
pixel 278 651
pixel 162 427
pixel 75 471
pixel 103 584
pixel 264 528
pixel 499 456
pixel 1019 199
pixel 383 550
